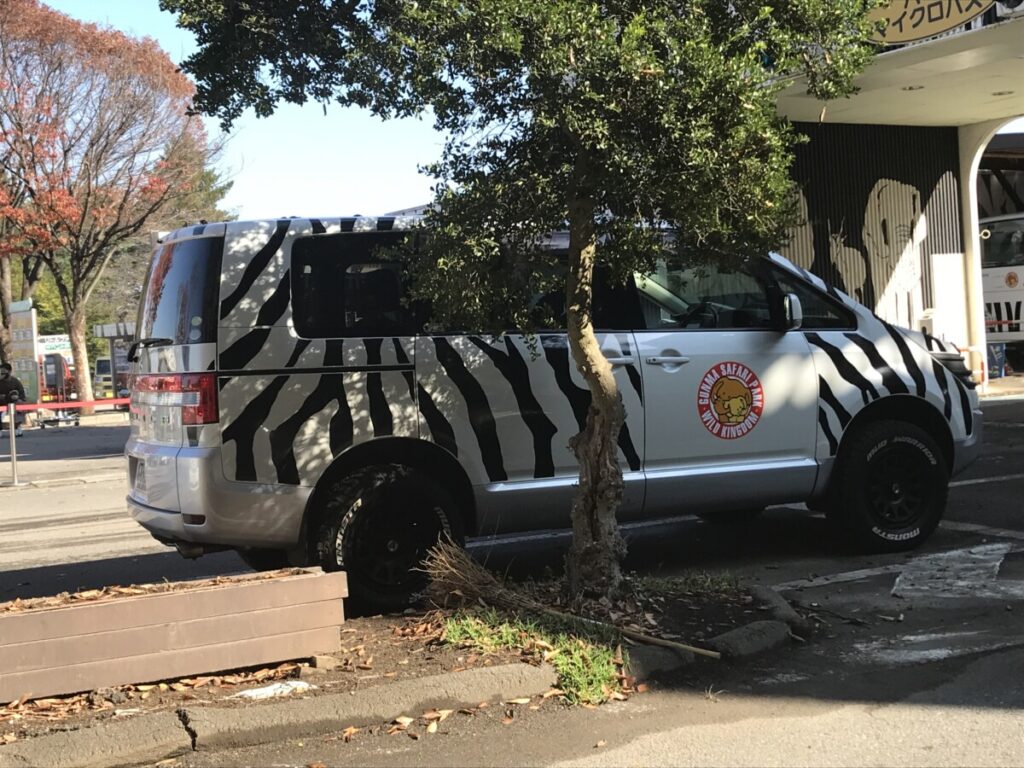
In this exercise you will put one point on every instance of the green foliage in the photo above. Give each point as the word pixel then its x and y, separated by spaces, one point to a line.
pixel 586 665
pixel 651 114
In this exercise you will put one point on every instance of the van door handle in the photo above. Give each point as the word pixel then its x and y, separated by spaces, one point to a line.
pixel 620 360
pixel 668 360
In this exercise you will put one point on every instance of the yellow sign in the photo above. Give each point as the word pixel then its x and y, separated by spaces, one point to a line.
pixel 910 20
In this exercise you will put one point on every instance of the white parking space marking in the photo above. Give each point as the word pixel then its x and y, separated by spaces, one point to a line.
pixel 982 480
pixel 927 646
pixel 984 530
pixel 962 573
pixel 959 573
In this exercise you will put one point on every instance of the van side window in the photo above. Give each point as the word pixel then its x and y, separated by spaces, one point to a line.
pixel 344 285
pixel 820 313
pixel 703 297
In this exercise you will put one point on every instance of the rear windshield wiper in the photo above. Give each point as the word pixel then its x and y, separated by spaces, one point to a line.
pixel 151 341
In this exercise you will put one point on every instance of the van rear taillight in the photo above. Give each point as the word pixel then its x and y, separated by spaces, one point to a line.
pixel 194 393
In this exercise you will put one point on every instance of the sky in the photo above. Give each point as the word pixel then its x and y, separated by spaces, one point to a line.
pixel 300 162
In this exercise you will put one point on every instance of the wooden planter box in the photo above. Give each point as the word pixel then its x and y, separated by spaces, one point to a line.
pixel 240 622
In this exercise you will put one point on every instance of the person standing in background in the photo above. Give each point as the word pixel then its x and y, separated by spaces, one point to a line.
pixel 8 384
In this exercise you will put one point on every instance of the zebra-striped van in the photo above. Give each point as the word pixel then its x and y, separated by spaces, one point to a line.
pixel 287 403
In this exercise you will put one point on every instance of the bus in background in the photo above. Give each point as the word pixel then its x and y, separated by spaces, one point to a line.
pixel 1002 275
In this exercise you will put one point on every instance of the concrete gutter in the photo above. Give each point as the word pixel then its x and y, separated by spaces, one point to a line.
pixel 149 738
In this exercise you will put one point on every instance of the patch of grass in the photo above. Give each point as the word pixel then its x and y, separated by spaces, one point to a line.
pixel 587 667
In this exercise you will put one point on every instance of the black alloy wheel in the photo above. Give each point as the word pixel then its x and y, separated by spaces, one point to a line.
pixel 889 488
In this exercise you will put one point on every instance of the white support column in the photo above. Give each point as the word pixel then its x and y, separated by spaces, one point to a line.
pixel 973 140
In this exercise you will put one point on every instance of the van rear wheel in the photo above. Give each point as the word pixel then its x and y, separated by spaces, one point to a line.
pixel 890 489
pixel 379 524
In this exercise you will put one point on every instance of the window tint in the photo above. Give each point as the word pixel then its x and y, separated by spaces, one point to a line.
pixel 344 285
pixel 615 306
pixel 705 297
pixel 180 300
pixel 1004 246
pixel 820 313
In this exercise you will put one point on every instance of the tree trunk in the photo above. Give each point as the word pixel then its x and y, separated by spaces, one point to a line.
pixel 80 352
pixel 6 298
pixel 592 565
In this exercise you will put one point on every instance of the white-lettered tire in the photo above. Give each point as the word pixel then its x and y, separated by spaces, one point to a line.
pixel 891 487
pixel 378 524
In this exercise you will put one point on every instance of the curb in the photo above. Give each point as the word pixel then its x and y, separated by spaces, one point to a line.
pixel 748 640
pixel 164 734
pixel 780 609
pixel 57 482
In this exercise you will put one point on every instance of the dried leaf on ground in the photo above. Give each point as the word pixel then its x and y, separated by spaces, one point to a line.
pixel 405 721
pixel 349 732
pixel 432 727
pixel 525 700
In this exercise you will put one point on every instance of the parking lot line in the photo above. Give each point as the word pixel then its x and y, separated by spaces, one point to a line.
pixel 981 480
pixel 1003 533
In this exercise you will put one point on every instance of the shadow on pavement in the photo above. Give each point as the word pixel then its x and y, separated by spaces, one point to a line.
pixel 49 580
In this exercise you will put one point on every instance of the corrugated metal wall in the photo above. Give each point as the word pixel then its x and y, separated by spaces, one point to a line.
pixel 878 201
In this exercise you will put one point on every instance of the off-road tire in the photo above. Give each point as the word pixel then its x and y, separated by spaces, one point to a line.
pixel 377 525
pixel 264 559
pixel 890 489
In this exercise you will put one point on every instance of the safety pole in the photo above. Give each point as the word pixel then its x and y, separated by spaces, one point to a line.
pixel 12 428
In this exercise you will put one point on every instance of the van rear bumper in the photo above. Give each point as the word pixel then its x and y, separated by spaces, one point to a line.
pixel 218 512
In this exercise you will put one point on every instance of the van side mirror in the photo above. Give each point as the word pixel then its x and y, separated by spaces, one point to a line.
pixel 792 312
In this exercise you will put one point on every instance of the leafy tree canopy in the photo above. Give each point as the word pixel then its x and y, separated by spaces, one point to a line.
pixel 612 119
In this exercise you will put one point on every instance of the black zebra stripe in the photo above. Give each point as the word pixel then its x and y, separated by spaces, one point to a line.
pixel 833 444
pixel 965 404
pixel 908 359
pixel 241 353
pixel 556 352
pixel 318 227
pixel 512 366
pixel 380 413
pixel 940 376
pixel 825 393
pixel 845 368
pixel 282 437
pixel 255 268
pixel 274 308
pixel 481 418
pixel 441 431
pixel 243 429
pixel 890 379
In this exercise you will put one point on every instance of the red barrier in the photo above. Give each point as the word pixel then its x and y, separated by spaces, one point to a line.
pixel 69 405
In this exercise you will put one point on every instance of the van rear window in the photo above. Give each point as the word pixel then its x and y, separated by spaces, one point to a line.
pixel 182 288
pixel 349 285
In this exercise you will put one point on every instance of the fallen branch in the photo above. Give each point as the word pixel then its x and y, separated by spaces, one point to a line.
pixel 453 572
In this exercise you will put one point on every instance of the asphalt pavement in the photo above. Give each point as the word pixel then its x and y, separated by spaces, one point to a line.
pixel 916 661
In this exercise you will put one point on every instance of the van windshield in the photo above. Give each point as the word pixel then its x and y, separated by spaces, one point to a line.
pixel 180 300
pixel 1004 244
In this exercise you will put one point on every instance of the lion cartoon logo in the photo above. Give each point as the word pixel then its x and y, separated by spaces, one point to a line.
pixel 731 400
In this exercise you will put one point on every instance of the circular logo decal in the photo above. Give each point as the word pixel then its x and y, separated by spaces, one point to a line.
pixel 730 400
pixel 1011 280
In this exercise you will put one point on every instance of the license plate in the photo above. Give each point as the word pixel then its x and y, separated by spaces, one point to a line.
pixel 140 478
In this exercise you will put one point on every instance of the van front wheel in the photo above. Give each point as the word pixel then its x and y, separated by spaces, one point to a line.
pixel 379 523
pixel 891 487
